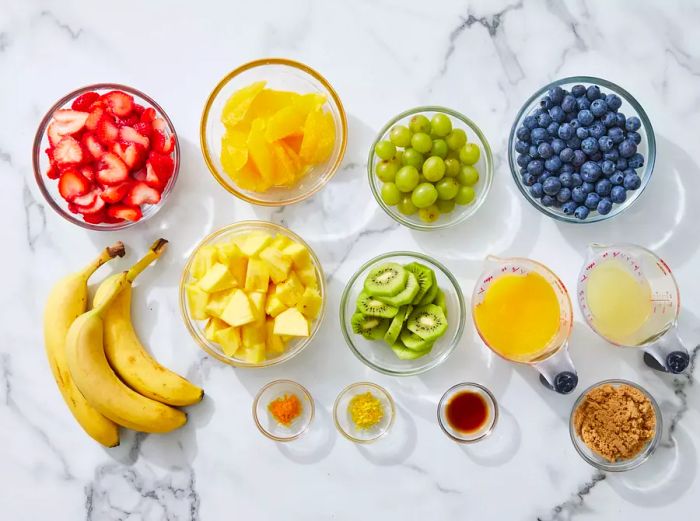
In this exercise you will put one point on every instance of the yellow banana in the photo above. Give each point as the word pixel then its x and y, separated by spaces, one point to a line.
pixel 99 384
pixel 125 352
pixel 67 300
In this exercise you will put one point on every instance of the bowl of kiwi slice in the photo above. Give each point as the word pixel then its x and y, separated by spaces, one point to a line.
pixel 402 313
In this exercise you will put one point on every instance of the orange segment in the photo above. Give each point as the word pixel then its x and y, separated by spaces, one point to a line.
pixel 260 152
pixel 311 137
pixel 285 122
pixel 294 142
pixel 232 157
pixel 238 104
pixel 268 102
pixel 326 138
pixel 285 168
pixel 309 102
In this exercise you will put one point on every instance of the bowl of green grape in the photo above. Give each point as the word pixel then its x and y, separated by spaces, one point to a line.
pixel 430 168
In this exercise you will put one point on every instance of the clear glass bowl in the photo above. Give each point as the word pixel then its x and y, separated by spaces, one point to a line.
pixel 376 353
pixel 267 424
pixel 343 420
pixel 630 107
pixel 484 166
pixel 486 428
pixel 49 187
pixel 618 466
pixel 196 328
pixel 280 74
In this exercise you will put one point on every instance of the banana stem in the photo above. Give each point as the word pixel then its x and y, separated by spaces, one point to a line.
pixel 115 250
pixel 155 252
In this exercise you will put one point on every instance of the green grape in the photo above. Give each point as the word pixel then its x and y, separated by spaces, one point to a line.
pixel 419 123
pixel 421 142
pixel 439 148
pixel 411 157
pixel 453 154
pixel 422 179
pixel 447 188
pixel 434 169
pixel 456 139
pixel 385 149
pixel 445 206
pixel 406 206
pixel 468 175
pixel 452 167
pixel 465 195
pixel 424 195
pixel 429 214
pixel 469 154
pixel 390 194
pixel 400 136
pixel 386 170
pixel 406 178
pixel 440 125
pixel 399 157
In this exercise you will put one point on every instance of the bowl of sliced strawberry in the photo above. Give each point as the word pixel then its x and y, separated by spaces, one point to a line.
pixel 106 156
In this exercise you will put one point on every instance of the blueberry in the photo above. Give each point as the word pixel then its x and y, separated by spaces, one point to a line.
pixel 620 119
pixel 621 164
pixel 537 112
pixel 634 136
pixel 566 180
pixel 597 156
pixel 543 120
pixel 569 207
pixel 553 129
pixel 617 135
pixel 574 121
pixel 578 194
pixel 632 124
pixel 636 161
pixel 556 94
pixel 536 190
pixel 523 160
pixel 603 187
pixel 532 152
pixel 535 167
pixel 578 90
pixel 574 143
pixel 617 178
pixel 529 179
pixel 538 135
pixel 543 177
pixel 566 155
pixel 592 200
pixel 576 179
pixel 627 148
pixel 547 200
pixel 557 114
pixel 609 119
pixel 604 206
pixel 570 116
pixel 608 167
pixel 599 107
pixel 545 150
pixel 597 129
pixel 523 134
pixel 568 104
pixel 605 143
pixel 553 164
pixel 585 117
pixel 582 103
pixel 614 102
pixel 632 182
pixel 581 212
pixel 521 147
pixel 612 155
pixel 557 145
pixel 564 195
pixel 545 102
pixel 588 187
pixel 530 122
pixel 568 167
pixel 582 132
pixel 618 194
pixel 579 158
pixel 593 92
pixel 551 186
pixel 566 132
pixel 589 145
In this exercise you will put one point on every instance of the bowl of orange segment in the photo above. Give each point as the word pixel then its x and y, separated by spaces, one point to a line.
pixel 273 132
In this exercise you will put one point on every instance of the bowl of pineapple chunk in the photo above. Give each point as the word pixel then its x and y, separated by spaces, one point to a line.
pixel 252 294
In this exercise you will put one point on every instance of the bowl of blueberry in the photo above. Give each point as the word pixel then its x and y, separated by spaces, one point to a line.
pixel 581 149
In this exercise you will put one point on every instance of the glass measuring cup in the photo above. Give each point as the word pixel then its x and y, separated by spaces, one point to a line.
pixel 552 360
pixel 641 295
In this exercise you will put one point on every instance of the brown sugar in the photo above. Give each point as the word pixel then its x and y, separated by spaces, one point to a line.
pixel 615 422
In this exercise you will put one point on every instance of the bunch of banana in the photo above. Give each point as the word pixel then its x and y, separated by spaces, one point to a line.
pixel 110 374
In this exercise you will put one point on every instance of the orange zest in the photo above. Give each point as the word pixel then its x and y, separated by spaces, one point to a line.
pixel 285 409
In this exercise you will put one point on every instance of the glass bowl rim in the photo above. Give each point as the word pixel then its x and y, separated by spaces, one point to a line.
pixel 491 398
pixel 650 160
pixel 418 256
pixel 271 384
pixel 376 387
pixel 636 460
pixel 37 152
pixel 488 175
pixel 332 170
pixel 224 230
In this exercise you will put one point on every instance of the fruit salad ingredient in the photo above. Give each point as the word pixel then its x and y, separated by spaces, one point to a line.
pixel 285 409
pixel 366 410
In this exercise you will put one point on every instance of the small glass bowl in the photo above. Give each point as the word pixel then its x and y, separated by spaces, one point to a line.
pixel 267 424
pixel 618 466
pixel 376 353
pixel 630 107
pixel 196 328
pixel 343 420
pixel 49 187
pixel 282 74
pixel 486 428
pixel 484 166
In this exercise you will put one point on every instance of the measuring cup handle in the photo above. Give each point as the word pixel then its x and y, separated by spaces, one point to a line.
pixel 558 373
pixel 667 354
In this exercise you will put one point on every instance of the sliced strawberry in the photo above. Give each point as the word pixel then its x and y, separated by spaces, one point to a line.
pixel 163 166
pixel 96 217
pixel 112 220
pixel 114 194
pixel 88 172
pixel 84 101
pixel 140 175
pixel 72 208
pixel 97 110
pixel 132 154
pixel 97 206
pixel 54 133
pixel 53 172
pixel 86 200
pixel 67 152
pixel 138 109
pixel 122 211
pixel 93 146
pixel 107 131
pixel 120 102
pixel 111 170
pixel 72 184
pixel 141 193
pixel 130 135
pixel 162 143
pixel 69 122
pixel 152 178
pixel 144 128
pixel 148 115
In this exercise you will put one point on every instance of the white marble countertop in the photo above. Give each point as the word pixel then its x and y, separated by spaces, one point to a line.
pixel 482 58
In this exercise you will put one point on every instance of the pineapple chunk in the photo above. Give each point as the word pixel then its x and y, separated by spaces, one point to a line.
pixel 274 306
pixel 217 278
pixel 291 322
pixel 217 303
pixel 310 303
pixel 257 302
pixel 299 254
pixel 197 300
pixel 229 339
pixel 238 311
pixel 253 334
pixel 252 243
pixel 273 342
pixel 308 277
pixel 278 264
pixel 280 242
pixel 239 267
pixel 227 251
pixel 204 259
pixel 254 354
pixel 214 325
pixel 290 291
pixel 257 276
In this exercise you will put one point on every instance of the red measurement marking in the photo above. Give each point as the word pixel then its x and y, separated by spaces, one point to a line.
pixel 584 278
pixel 616 253
pixel 590 266
pixel 605 254
pixel 489 278
pixel 481 290
pixel 664 267
pixel 504 268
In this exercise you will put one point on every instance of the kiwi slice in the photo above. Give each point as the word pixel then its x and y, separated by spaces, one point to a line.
pixel 441 302
pixel 414 342
pixel 386 280
pixel 432 292
pixel 396 325
pixel 424 276
pixel 404 353
pixel 406 296
pixel 368 305
pixel 428 322
pixel 409 309
pixel 372 328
